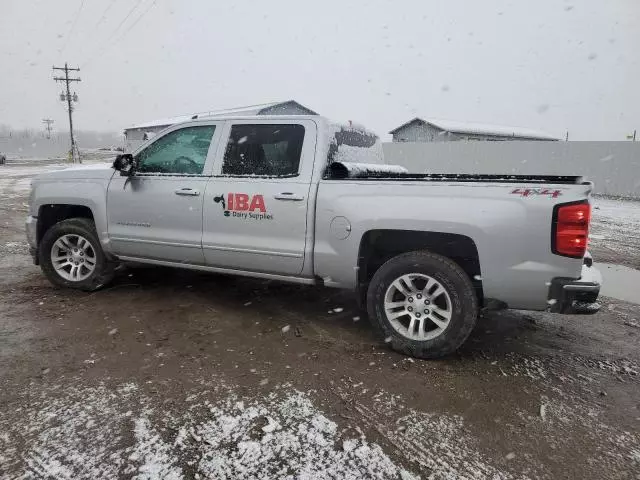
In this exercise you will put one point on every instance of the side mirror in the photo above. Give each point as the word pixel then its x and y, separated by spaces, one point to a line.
pixel 125 164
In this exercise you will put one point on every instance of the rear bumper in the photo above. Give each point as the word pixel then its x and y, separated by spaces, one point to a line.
pixel 571 296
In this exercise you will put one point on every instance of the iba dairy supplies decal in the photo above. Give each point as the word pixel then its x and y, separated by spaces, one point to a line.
pixel 241 205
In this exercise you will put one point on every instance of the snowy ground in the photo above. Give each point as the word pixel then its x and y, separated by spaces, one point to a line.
pixel 614 231
pixel 81 433
pixel 15 178
pixel 170 375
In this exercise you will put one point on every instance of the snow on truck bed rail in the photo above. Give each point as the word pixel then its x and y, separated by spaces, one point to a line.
pixel 360 170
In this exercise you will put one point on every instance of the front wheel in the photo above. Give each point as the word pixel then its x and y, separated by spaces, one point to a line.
pixel 422 304
pixel 71 256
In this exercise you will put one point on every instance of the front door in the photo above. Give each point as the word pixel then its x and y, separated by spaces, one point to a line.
pixel 157 213
pixel 255 208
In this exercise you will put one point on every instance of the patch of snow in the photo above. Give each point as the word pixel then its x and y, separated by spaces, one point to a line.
pixel 68 436
pixel 271 426
pixel 153 453
pixel 345 169
pixel 305 445
pixel 108 433
pixel 543 412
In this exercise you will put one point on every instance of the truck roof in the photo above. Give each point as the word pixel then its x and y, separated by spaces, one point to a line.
pixel 196 118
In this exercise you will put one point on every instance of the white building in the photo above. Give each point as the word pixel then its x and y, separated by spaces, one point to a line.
pixel 137 134
pixel 435 130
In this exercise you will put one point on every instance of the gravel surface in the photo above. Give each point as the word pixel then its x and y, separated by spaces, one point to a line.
pixel 175 374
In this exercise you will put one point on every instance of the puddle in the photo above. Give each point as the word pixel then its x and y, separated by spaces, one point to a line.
pixel 620 282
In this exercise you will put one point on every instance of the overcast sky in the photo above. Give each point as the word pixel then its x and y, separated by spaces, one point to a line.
pixel 553 65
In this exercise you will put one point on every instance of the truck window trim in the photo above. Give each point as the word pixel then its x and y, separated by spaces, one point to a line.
pixel 262 176
pixel 180 128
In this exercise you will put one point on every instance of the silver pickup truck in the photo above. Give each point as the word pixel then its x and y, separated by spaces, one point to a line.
pixel 299 199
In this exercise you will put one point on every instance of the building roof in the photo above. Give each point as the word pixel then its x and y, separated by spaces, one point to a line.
pixel 249 110
pixel 479 129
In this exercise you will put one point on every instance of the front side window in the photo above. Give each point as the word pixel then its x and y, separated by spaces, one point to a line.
pixel 181 152
pixel 264 150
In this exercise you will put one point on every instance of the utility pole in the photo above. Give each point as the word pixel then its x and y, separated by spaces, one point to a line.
pixel 48 122
pixel 69 99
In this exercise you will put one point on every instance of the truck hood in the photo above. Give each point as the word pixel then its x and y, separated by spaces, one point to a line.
pixel 95 171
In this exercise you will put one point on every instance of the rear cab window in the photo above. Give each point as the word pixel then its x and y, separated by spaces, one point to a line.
pixel 264 150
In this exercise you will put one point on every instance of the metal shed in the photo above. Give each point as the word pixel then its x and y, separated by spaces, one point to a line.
pixel 436 130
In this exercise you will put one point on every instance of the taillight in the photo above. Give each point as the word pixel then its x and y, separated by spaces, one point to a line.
pixel 570 230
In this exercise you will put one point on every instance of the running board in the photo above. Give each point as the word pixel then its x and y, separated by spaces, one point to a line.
pixel 229 271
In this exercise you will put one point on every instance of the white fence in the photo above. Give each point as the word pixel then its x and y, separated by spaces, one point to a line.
pixel 614 167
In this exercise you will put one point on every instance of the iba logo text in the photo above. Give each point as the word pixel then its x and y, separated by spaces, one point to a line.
pixel 241 205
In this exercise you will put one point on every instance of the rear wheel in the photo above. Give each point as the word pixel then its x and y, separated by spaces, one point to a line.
pixel 422 304
pixel 71 256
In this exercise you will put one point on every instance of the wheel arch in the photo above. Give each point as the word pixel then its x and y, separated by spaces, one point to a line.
pixel 379 246
pixel 50 214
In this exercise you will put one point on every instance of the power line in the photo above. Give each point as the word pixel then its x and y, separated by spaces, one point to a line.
pixel 104 14
pixel 106 46
pixel 73 25
pixel 101 19
pixel 113 34
pixel 136 21
pixel 69 99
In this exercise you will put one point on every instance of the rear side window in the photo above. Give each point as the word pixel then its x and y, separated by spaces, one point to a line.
pixel 264 150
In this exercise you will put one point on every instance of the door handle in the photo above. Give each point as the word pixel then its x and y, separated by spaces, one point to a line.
pixel 187 191
pixel 288 196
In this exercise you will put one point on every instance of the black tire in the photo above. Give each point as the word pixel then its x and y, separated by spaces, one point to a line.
pixel 464 304
pixel 104 270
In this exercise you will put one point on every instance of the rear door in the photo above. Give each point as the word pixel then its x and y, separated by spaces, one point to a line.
pixel 157 213
pixel 255 206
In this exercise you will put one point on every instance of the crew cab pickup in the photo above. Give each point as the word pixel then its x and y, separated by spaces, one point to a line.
pixel 299 199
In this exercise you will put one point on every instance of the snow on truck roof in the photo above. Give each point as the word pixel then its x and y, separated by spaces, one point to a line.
pixel 249 110
pixel 454 126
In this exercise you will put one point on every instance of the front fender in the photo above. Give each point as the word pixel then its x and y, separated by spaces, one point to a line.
pixel 86 193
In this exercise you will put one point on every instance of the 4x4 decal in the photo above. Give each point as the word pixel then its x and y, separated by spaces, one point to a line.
pixel 531 192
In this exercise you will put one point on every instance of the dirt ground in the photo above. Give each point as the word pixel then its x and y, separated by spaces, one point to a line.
pixel 175 374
